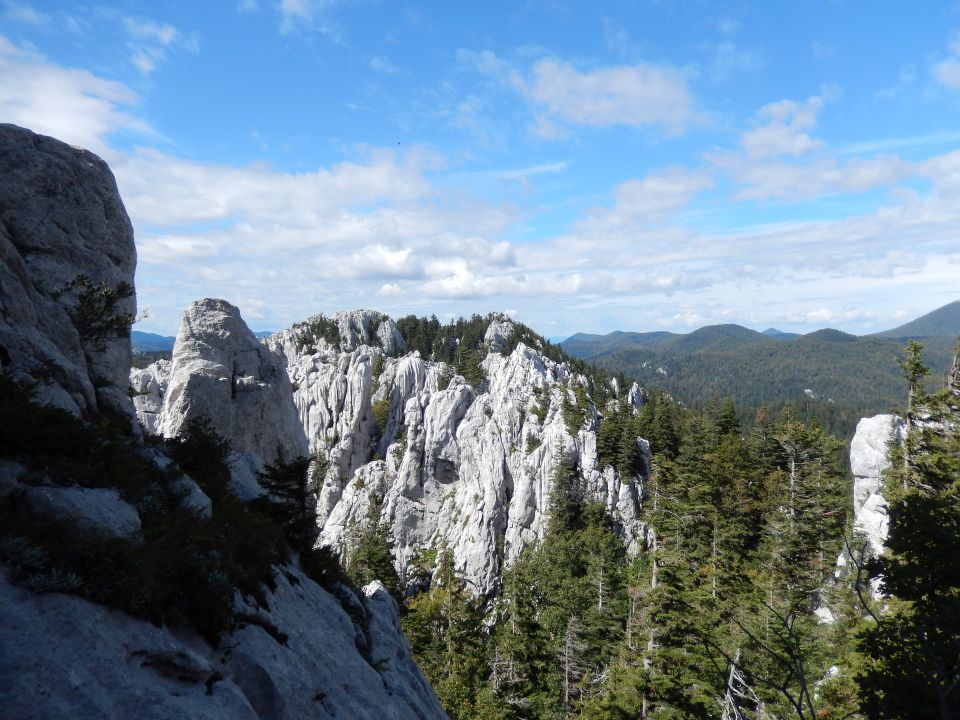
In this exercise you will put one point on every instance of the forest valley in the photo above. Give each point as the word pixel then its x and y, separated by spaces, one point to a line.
pixel 715 617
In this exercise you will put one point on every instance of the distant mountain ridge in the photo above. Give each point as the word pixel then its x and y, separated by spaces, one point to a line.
pixel 145 342
pixel 942 321
pixel 832 374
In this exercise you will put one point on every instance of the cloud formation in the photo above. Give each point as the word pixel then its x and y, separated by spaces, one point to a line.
pixel 413 229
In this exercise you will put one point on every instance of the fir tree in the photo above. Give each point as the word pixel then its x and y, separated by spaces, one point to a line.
pixel 912 651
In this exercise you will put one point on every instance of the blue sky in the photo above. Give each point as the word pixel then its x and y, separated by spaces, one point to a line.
pixel 582 166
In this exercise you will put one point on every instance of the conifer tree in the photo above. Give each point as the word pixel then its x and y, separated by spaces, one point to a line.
pixel 912 652
pixel 371 555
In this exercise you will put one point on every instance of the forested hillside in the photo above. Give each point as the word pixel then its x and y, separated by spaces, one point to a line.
pixel 829 375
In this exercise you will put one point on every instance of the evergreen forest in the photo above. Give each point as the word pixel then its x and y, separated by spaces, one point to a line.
pixel 736 606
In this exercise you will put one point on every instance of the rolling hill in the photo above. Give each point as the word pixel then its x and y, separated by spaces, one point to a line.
pixel 830 374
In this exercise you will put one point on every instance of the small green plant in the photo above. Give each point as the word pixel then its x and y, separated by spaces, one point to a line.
pixel 96 312
pixel 381 413
pixel 533 442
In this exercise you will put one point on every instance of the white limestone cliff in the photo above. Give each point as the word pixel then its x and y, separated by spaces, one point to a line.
pixel 148 388
pixel 869 452
pixel 220 372
pixel 454 466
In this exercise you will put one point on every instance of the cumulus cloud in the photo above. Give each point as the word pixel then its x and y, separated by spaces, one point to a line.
pixel 73 105
pixel 631 95
pixel 384 225
pixel 642 94
pixel 782 129
pixel 642 203
pixel 779 158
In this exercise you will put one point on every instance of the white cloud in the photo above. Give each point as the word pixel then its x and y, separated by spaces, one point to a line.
pixel 384 226
pixel 782 129
pixel 383 65
pixel 826 176
pixel 146 29
pixel 308 15
pixel 639 204
pixel 25 13
pixel 73 105
pixel 642 94
pixel 630 95
pixel 779 158
pixel 729 59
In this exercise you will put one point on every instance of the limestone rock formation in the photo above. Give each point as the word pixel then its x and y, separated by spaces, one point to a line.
pixel 148 388
pixel 62 221
pixel 456 466
pixel 222 373
pixel 868 459
pixel 65 657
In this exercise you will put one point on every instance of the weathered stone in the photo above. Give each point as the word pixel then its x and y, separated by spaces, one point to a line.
pixel 220 372
pixel 466 470
pixel 61 218
pixel 62 656
pixel 869 452
pixel 100 511
pixel 148 387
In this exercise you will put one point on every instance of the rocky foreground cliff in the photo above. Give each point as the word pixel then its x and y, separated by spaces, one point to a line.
pixel 118 602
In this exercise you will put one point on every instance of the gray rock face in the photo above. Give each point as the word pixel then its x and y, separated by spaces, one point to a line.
pixel 453 467
pixel 868 460
pixel 63 657
pixel 148 387
pixel 61 217
pixel 221 372
pixel 100 511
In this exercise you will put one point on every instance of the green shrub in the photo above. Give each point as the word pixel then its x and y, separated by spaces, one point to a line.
pixel 381 414
pixel 96 313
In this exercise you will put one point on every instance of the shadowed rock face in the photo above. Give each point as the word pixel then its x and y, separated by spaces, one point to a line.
pixel 61 217
pixel 221 372
pixel 64 657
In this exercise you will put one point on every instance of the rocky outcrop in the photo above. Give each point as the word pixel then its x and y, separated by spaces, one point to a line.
pixel 454 466
pixel 62 223
pixel 221 372
pixel 869 451
pixel 148 388
pixel 469 468
pixel 65 657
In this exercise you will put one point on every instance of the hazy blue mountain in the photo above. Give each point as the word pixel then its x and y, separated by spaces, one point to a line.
pixel 143 342
pixel 780 334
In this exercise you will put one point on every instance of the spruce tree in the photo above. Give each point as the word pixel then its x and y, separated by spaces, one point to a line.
pixel 912 652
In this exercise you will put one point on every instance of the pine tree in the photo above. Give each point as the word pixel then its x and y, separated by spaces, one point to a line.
pixel 912 652
pixel 445 628
pixel 371 555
